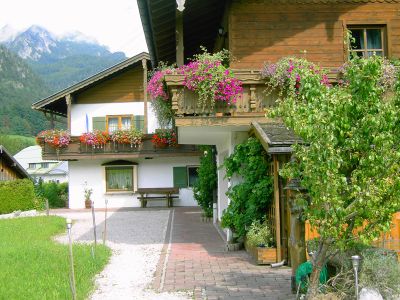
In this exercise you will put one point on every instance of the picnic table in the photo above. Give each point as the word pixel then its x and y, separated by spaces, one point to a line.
pixel 167 193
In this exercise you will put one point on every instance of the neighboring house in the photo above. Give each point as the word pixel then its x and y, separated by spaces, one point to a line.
pixel 115 99
pixel 31 160
pixel 256 32
pixel 10 169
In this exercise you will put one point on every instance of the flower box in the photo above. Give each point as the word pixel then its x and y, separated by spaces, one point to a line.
pixel 262 255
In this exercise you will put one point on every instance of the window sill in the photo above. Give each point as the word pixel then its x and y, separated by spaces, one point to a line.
pixel 120 193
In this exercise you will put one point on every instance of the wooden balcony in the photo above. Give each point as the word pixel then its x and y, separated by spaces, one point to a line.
pixel 251 105
pixel 77 150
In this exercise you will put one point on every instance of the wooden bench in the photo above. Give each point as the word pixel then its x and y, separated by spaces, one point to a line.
pixel 162 193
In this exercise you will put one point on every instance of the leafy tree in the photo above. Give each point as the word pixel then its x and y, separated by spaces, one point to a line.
pixel 251 197
pixel 207 182
pixel 350 162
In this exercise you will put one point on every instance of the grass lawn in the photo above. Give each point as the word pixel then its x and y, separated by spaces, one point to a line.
pixel 33 266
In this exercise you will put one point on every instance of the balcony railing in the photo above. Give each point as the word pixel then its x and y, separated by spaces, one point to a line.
pixel 77 150
pixel 253 101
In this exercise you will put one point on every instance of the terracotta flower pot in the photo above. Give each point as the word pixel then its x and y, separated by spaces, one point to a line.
pixel 88 204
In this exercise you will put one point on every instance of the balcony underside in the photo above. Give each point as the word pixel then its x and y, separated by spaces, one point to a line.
pixel 226 121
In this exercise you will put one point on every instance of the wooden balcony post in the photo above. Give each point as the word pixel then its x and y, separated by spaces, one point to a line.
pixel 68 100
pixel 144 64
pixel 277 209
pixel 253 98
pixel 179 38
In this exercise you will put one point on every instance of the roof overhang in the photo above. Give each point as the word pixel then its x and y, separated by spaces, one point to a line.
pixel 276 138
pixel 56 103
pixel 201 20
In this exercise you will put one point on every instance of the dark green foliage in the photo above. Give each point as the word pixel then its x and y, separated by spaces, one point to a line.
pixel 250 198
pixel 207 182
pixel 19 88
pixel 25 82
pixel 15 143
pixel 56 193
pixel 18 195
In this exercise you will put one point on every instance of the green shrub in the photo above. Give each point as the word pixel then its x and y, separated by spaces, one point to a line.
pixel 18 195
pixel 260 235
pixel 55 193
pixel 207 182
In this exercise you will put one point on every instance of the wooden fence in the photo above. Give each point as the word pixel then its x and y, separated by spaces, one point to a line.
pixel 390 240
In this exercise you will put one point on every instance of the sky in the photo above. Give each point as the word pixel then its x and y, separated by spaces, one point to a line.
pixel 114 23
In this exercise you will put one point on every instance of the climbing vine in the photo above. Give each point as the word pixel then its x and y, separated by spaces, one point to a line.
pixel 251 197
pixel 207 181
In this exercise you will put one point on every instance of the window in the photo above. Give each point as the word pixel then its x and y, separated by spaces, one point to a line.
pixel 193 176
pixel 32 166
pixel 368 40
pixel 119 178
pixel 118 122
pixel 113 123
pixel 185 176
pixel 44 165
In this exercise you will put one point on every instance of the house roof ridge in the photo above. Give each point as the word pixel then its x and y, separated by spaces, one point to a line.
pixel 90 80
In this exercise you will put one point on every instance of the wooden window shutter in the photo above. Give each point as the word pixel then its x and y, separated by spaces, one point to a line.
pixel 180 177
pixel 139 122
pixel 99 123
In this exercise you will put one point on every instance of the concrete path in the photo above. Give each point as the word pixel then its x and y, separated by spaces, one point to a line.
pixel 136 238
pixel 193 259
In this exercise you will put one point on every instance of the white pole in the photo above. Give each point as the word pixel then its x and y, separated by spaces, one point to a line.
pixel 71 260
pixel 94 225
pixel 105 224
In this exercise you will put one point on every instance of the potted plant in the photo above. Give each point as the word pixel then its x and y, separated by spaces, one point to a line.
pixel 88 193
pixel 164 137
pixel 260 243
pixel 132 137
pixel 96 139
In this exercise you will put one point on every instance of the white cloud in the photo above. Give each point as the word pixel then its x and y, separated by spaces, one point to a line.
pixel 115 23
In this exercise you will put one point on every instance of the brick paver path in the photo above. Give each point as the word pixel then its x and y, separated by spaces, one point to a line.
pixel 197 262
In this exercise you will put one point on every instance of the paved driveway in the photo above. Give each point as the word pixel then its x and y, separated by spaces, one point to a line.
pixel 195 260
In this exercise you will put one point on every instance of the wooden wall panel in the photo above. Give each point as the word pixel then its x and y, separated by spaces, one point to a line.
pixel 7 173
pixel 260 32
pixel 124 87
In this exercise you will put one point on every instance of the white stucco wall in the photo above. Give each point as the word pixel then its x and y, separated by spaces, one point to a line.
pixel 225 149
pixel 157 172
pixel 79 112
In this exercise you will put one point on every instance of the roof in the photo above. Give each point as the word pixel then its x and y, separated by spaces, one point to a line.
pixel 31 154
pixel 56 103
pixel 54 168
pixel 275 137
pixel 4 154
